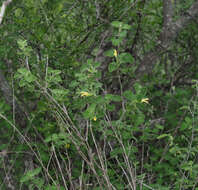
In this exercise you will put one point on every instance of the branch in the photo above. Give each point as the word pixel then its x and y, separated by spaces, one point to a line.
pixel 171 29
pixel 3 8
pixel 167 18
pixel 11 101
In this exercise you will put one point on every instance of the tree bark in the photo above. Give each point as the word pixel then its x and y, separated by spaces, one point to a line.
pixel 169 33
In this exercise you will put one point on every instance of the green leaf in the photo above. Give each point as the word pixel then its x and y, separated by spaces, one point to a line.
pixel 126 58
pixel 139 119
pixel 51 138
pixel 126 135
pixel 167 135
pixel 126 27
pixel 59 7
pixel 99 100
pixel 116 24
pixel 112 97
pixel 53 71
pixel 42 106
pixel 109 53
pixel 163 136
pixel 22 44
pixel 18 12
pixel 30 77
pixel 22 83
pixel 60 91
pixel 158 126
pixel 188 120
pixel 97 64
pixel 54 187
pixel 113 66
pixel 51 187
pixel 138 88
pixel 60 94
pixel 38 182
pixel 116 41
pixel 129 95
pixel 116 151
pixel 23 71
pixel 110 107
pixel 90 111
pixel 123 34
pixel 183 126
pixel 30 175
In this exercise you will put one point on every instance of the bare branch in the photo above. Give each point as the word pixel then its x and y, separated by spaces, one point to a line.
pixel 167 13
pixel 167 18
pixel 3 8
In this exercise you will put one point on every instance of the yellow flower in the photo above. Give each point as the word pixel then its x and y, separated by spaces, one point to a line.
pixel 67 146
pixel 83 93
pixel 145 100
pixel 95 118
pixel 115 53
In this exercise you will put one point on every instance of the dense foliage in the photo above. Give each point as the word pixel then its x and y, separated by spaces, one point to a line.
pixel 99 94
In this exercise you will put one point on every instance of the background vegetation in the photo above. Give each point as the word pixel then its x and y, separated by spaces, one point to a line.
pixel 99 94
